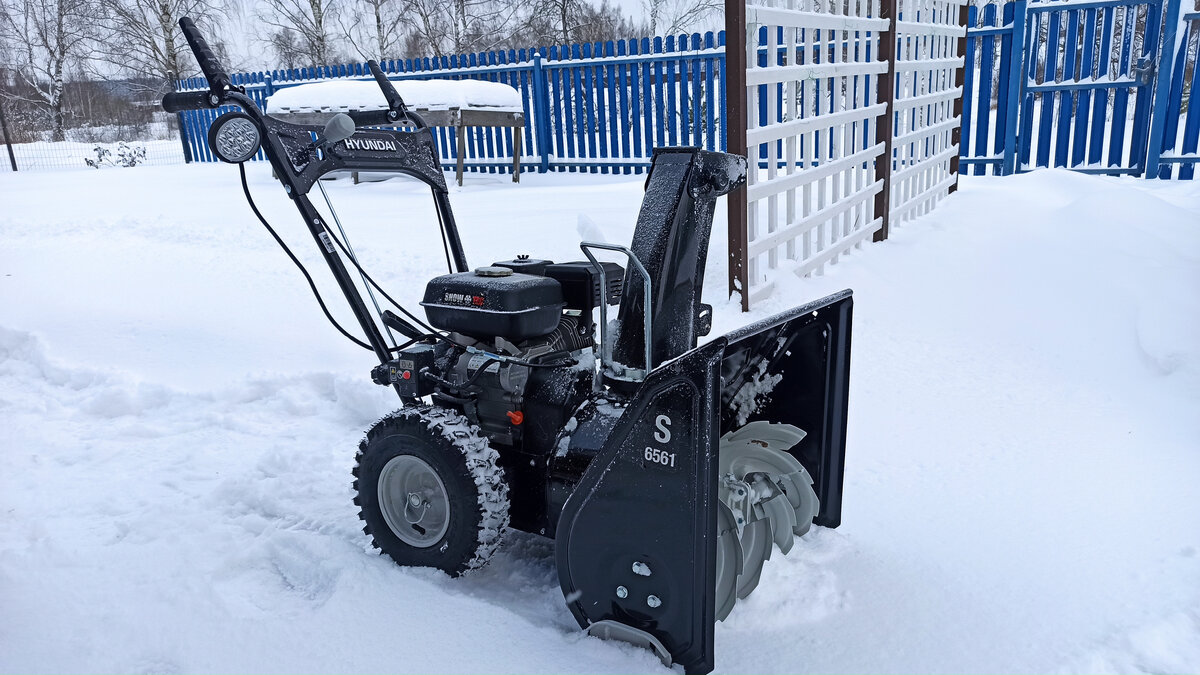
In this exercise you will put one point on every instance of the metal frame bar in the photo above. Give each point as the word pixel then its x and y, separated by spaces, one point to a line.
pixel 647 318
pixel 736 31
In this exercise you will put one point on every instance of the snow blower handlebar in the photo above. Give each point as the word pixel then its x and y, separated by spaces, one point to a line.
pixel 214 72
pixel 298 161
pixel 220 86
pixel 219 82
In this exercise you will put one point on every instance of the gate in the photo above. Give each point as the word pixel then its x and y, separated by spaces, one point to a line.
pixel 1097 86
pixel 1175 146
pixel 1083 61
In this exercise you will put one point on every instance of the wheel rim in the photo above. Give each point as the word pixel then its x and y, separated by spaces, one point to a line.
pixel 413 500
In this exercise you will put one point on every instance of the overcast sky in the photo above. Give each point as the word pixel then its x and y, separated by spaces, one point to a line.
pixel 248 54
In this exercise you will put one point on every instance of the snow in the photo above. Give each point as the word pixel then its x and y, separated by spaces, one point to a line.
pixel 347 95
pixel 754 394
pixel 178 424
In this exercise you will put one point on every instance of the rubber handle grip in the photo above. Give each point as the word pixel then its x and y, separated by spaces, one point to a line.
pixel 214 72
pixel 389 91
pixel 186 100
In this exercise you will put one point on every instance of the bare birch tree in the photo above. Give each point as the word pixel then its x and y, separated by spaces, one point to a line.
pixel 46 37
pixel 308 25
pixel 679 16
pixel 569 21
pixel 375 28
pixel 143 36
pixel 444 27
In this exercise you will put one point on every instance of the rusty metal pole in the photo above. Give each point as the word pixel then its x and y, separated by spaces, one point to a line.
pixel 12 159
pixel 886 94
pixel 735 111
pixel 959 81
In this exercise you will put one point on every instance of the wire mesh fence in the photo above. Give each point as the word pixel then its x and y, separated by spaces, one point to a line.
pixel 92 147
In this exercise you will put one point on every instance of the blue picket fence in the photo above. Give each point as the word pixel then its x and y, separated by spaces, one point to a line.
pixel 1099 86
pixel 598 107
pixel 1072 84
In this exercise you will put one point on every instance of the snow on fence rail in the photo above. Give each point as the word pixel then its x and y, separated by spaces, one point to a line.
pixel 1179 152
pixel 989 129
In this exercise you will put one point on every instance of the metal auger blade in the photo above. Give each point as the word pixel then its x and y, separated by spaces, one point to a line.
pixel 754 464
pixel 756 548
pixel 805 504
pixel 781 517
pixel 729 561
pixel 781 437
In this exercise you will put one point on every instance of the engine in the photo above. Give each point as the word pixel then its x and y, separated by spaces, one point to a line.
pixel 495 392
pixel 523 353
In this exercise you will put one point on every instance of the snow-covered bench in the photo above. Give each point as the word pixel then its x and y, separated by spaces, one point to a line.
pixel 441 103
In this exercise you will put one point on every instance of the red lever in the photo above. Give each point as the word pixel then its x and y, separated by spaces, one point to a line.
pixel 516 417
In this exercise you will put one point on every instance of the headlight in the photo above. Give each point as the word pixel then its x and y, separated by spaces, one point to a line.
pixel 234 137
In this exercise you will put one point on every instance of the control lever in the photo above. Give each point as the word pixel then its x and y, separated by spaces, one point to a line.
pixel 337 129
pixel 391 320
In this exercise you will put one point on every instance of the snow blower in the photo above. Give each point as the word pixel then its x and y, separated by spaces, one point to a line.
pixel 666 472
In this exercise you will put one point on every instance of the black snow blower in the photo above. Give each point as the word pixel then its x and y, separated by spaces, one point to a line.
pixel 666 472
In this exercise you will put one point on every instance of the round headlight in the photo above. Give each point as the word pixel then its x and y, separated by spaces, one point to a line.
pixel 234 137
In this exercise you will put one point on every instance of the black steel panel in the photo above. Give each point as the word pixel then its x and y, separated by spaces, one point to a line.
pixel 798 366
pixel 649 497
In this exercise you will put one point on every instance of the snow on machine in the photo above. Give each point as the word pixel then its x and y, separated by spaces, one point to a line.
pixel 665 471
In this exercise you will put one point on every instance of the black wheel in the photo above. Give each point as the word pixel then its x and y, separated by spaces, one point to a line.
pixel 429 490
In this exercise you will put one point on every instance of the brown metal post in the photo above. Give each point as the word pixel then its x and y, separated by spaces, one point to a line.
pixel 735 111
pixel 12 159
pixel 886 93
pixel 959 81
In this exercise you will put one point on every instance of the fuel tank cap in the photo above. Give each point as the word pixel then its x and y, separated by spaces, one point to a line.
pixel 493 271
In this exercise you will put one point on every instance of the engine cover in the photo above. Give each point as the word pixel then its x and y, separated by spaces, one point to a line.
pixel 494 302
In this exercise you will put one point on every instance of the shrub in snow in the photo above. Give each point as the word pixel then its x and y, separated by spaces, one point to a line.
pixel 126 156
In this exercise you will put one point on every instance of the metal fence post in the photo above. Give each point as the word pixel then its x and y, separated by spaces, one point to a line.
pixel 1016 70
pixel 886 94
pixel 541 112
pixel 735 107
pixel 12 159
pixel 1160 103
pixel 960 76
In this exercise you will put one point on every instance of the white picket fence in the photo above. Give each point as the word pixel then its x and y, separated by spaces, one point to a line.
pixel 812 83
pixel 922 144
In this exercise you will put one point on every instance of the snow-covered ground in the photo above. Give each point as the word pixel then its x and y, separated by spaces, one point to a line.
pixel 178 422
